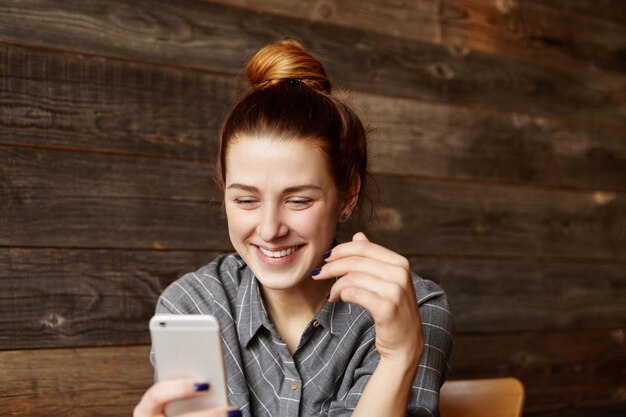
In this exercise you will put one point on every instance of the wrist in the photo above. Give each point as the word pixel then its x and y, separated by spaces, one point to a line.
pixel 404 361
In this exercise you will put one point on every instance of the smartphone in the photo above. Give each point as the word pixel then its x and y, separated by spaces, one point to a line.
pixel 190 346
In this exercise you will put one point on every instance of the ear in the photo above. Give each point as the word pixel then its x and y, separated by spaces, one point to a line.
pixel 351 196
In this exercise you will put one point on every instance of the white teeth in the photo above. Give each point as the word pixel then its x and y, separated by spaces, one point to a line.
pixel 278 253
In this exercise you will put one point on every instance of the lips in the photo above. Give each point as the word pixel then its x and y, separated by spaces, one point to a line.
pixel 278 253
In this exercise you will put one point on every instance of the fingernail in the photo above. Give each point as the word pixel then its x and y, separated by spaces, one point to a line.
pixel 316 271
pixel 326 254
pixel 234 413
pixel 201 386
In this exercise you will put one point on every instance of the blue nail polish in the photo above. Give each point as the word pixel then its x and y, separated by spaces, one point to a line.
pixel 316 271
pixel 201 386
pixel 326 254
pixel 234 413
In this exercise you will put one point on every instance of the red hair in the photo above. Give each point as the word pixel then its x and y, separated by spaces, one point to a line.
pixel 291 99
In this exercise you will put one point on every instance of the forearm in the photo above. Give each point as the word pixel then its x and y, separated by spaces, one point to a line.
pixel 388 390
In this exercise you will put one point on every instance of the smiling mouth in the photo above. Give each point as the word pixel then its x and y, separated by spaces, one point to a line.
pixel 279 253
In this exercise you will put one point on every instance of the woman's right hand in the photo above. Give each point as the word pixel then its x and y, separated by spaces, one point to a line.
pixel 153 402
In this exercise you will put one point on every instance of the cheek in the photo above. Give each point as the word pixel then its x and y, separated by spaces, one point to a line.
pixel 239 222
pixel 317 221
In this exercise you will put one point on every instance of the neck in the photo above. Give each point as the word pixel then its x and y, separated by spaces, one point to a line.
pixel 291 310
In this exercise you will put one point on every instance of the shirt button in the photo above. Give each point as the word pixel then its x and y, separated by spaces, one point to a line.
pixel 316 323
pixel 294 385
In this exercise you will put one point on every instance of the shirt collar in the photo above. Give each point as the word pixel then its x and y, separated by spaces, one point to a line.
pixel 336 317
pixel 254 315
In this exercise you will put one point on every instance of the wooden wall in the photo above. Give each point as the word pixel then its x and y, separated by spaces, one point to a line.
pixel 498 147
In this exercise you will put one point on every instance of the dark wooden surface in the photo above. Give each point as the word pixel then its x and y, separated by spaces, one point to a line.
pixel 498 147
pixel 75 102
pixel 95 382
pixel 181 34
pixel 430 140
pixel 611 10
pixel 555 367
pixel 561 369
pixel 146 110
pixel 48 203
pixel 533 32
pixel 499 295
pixel 71 297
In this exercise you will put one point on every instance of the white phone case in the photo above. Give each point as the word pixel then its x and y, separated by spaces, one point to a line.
pixel 190 346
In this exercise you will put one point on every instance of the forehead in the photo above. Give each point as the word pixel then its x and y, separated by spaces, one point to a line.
pixel 251 160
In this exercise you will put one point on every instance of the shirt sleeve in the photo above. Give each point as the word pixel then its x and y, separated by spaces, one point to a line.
pixel 438 330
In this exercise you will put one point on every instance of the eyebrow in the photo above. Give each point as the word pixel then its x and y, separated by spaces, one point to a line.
pixel 293 189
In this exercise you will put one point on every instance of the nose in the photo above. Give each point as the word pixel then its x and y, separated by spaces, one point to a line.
pixel 271 225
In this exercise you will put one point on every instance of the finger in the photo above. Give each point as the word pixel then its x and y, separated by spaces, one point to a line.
pixel 161 393
pixel 382 310
pixel 360 246
pixel 388 290
pixel 360 264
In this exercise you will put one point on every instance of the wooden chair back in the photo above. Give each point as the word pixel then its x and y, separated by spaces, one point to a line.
pixel 494 397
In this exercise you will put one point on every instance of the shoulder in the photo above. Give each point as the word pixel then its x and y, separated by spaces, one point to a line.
pixel 435 311
pixel 428 292
pixel 196 292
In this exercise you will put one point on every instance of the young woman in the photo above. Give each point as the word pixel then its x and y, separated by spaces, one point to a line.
pixel 310 327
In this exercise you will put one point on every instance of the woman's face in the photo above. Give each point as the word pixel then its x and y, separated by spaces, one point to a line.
pixel 282 207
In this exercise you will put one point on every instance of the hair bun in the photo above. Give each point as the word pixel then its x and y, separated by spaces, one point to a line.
pixel 286 60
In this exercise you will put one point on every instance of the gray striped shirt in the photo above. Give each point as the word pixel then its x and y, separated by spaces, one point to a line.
pixel 336 356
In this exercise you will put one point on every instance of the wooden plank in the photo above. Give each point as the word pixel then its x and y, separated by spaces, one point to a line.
pixel 613 10
pixel 77 199
pixel 433 140
pixel 559 369
pixel 142 109
pixel 70 298
pixel 212 37
pixel 462 219
pixel 414 20
pixel 506 296
pixel 528 31
pixel 76 102
pixel 97 382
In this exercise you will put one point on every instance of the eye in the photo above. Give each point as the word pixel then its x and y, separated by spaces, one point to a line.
pixel 246 203
pixel 299 203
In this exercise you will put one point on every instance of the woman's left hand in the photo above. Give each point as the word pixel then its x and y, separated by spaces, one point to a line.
pixel 380 281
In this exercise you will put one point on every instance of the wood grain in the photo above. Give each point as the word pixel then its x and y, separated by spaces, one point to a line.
pixel 411 137
pixel 465 219
pixel 528 31
pixel 185 34
pixel 413 20
pixel 78 102
pixel 142 109
pixel 489 296
pixel 559 369
pixel 613 10
pixel 79 199
pixel 70 298
pixel 97 382
pixel 556 368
